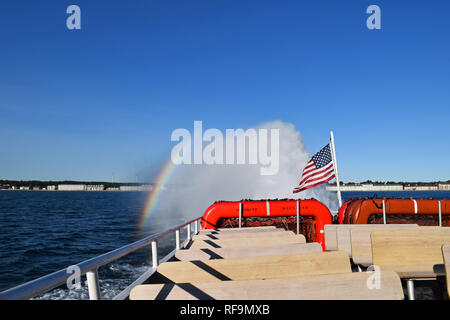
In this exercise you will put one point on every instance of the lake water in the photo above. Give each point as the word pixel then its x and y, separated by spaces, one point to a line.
pixel 44 231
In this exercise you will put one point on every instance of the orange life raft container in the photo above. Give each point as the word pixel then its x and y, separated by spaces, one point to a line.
pixel 341 212
pixel 270 209
pixel 420 211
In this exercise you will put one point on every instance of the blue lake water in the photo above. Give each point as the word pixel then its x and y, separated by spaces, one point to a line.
pixel 44 231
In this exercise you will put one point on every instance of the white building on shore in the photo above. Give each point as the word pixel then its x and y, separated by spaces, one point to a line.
pixel 444 186
pixel 368 187
pixel 95 187
pixel 421 188
pixel 136 188
pixel 71 187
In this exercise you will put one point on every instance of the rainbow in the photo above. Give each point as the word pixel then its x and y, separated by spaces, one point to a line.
pixel 154 195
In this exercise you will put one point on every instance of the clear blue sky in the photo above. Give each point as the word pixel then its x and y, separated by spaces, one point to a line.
pixel 83 104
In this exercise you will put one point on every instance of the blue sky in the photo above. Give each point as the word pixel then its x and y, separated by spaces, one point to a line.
pixel 84 104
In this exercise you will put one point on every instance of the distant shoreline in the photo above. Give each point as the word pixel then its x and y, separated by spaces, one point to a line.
pixel 331 190
pixel 379 190
pixel 37 185
pixel 42 190
pixel 390 187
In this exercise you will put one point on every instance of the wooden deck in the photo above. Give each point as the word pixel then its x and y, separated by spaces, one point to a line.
pixel 263 263
pixel 246 242
pixel 247 251
pixel 346 286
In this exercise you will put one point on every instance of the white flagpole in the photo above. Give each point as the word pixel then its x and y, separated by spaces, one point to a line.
pixel 336 169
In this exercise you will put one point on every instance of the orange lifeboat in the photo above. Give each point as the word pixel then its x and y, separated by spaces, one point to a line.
pixel 351 210
pixel 341 212
pixel 420 211
pixel 269 210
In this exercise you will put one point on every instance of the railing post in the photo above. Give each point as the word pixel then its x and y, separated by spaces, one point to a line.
pixel 298 216
pixel 240 214
pixel 410 286
pixel 196 227
pixel 384 211
pixel 155 261
pixel 93 285
pixel 440 213
pixel 189 231
pixel 177 239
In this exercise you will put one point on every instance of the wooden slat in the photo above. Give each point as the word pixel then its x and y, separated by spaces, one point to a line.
pixel 411 253
pixel 330 237
pixel 238 252
pixel 229 235
pixel 282 266
pixel 361 245
pixel 343 233
pixel 346 286
pixel 244 229
pixel 432 228
pixel 264 241
pixel 446 257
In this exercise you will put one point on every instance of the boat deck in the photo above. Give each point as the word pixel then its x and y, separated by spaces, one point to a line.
pixel 263 263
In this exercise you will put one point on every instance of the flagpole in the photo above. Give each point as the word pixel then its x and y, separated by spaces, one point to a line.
pixel 336 169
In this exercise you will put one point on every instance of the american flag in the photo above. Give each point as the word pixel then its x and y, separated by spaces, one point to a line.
pixel 318 170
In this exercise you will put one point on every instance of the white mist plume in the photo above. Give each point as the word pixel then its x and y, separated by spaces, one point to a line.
pixel 193 188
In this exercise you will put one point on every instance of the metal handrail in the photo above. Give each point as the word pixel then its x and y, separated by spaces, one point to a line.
pixel 51 281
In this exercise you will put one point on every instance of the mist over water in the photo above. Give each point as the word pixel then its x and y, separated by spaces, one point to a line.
pixel 192 188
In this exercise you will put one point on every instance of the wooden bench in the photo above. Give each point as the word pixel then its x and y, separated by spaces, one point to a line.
pixel 266 267
pixel 361 244
pixel 412 254
pixel 228 235
pixel 343 233
pixel 243 229
pixel 235 242
pixel 237 252
pixel 344 286
pixel 330 234
pixel 446 256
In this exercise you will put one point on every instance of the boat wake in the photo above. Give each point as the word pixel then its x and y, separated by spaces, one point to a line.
pixel 120 276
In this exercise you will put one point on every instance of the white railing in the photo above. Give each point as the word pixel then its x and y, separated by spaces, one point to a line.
pixel 90 267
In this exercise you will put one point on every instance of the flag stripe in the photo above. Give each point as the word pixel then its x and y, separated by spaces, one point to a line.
pixel 316 172
pixel 309 166
pixel 326 174
pixel 324 177
pixel 314 185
